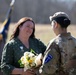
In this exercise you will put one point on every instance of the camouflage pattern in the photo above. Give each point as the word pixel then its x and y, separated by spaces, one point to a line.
pixel 63 52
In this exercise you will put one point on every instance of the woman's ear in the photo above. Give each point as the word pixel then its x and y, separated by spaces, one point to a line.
pixel 19 26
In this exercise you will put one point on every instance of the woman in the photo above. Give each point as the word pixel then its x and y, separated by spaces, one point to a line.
pixel 22 40
pixel 60 57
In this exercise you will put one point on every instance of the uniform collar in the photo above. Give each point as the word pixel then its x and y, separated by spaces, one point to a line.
pixel 65 34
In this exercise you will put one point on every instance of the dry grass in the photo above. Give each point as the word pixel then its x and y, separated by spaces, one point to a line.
pixel 44 32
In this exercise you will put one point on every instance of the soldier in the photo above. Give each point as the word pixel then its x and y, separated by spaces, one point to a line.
pixel 60 55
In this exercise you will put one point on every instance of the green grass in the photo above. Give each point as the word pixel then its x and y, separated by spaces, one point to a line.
pixel 44 32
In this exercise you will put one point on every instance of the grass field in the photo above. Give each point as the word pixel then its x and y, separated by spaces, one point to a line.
pixel 44 32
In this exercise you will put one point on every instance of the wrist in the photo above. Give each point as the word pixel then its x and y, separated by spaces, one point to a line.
pixel 17 71
pixel 22 71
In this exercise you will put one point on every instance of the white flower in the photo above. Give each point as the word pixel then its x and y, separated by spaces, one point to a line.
pixel 30 60
pixel 38 59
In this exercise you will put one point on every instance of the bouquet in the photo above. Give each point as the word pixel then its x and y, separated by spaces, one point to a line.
pixel 30 60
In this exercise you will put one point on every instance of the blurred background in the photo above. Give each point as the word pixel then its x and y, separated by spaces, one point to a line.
pixel 39 10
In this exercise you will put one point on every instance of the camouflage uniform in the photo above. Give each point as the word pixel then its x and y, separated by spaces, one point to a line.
pixel 62 50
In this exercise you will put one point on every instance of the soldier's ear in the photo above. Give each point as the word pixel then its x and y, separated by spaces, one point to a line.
pixel 56 24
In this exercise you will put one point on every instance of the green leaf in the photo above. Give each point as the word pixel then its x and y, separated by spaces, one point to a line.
pixel 32 51
pixel 28 58
pixel 19 61
pixel 21 65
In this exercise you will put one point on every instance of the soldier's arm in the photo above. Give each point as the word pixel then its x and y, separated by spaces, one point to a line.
pixel 72 62
pixel 50 67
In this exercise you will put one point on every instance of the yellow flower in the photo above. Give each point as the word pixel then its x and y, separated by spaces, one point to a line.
pixel 30 61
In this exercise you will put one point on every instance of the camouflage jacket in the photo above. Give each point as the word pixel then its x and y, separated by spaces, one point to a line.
pixel 60 56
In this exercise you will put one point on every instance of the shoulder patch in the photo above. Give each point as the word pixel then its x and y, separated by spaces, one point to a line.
pixel 48 58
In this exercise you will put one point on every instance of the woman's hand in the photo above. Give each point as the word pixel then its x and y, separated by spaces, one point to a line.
pixel 28 72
